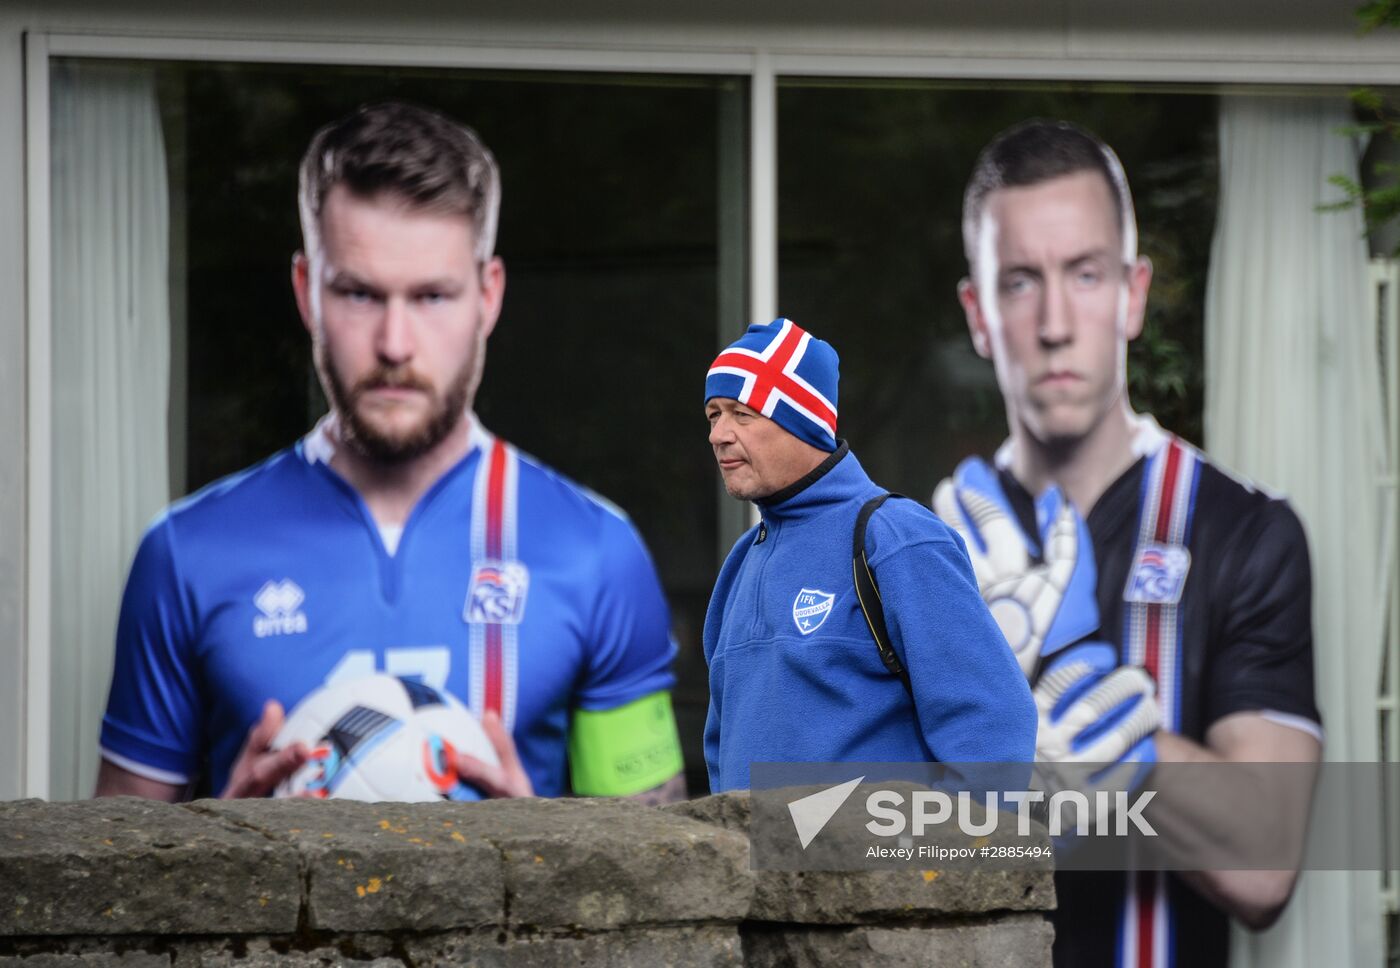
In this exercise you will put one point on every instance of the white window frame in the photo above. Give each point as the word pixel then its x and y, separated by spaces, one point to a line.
pixel 1385 292
pixel 756 55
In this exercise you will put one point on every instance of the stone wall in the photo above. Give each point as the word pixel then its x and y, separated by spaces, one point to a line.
pixel 133 884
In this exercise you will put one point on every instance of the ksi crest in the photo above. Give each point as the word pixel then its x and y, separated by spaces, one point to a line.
pixel 497 593
pixel 810 609
pixel 1158 574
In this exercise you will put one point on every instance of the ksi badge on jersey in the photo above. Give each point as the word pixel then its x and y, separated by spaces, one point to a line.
pixel 810 609
pixel 1158 574
pixel 497 593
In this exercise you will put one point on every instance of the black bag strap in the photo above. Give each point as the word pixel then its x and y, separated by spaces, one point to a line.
pixel 868 593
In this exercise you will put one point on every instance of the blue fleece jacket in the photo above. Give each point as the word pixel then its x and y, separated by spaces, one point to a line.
pixel 794 673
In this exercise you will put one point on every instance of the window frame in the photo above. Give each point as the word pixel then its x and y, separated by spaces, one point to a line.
pixel 765 57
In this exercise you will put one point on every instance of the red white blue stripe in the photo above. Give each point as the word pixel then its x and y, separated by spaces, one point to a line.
pixel 1153 641
pixel 494 646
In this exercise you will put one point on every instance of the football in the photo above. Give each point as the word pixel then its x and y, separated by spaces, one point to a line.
pixel 382 737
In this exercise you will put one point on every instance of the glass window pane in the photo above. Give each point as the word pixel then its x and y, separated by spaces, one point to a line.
pixel 618 229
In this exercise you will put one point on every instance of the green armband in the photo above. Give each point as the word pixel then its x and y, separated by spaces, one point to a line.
pixel 622 751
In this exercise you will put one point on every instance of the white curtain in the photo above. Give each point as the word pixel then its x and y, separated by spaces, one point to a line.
pixel 111 377
pixel 1293 400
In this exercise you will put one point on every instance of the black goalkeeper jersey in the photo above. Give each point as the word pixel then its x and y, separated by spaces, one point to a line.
pixel 1242 643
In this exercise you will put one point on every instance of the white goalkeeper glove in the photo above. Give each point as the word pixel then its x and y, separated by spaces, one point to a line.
pixel 1093 710
pixel 1098 722
pixel 1040 589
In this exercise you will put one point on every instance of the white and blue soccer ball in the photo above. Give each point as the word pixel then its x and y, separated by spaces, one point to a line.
pixel 382 737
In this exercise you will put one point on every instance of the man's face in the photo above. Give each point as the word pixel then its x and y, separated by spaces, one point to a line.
pixel 756 456
pixel 1054 303
pixel 398 310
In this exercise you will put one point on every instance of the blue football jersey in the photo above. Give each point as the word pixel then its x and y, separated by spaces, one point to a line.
pixel 511 587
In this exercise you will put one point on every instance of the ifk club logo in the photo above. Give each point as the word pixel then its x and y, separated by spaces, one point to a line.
pixel 810 609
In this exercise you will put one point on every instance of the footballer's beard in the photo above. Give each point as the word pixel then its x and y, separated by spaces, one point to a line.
pixel 386 447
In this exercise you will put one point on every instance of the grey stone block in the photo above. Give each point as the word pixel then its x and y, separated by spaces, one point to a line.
pixel 837 897
pixel 260 954
pixel 383 866
pixel 128 866
pixel 841 897
pixel 362 951
pixel 572 863
pixel 729 811
pixel 1016 941
pixel 598 864
pixel 702 947
pixel 93 959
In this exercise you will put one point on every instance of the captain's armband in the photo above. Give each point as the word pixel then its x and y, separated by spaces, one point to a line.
pixel 622 751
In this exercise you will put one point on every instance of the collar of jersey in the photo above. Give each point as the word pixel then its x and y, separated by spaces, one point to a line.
pixel 1148 438
pixel 833 483
pixel 318 446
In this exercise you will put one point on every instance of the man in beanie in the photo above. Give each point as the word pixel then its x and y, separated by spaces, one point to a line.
pixel 795 674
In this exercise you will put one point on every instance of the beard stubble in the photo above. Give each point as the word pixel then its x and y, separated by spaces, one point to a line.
pixel 447 409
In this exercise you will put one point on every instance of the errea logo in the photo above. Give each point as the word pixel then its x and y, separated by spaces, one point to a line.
pixel 280 604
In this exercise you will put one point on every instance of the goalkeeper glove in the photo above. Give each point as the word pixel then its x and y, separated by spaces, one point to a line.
pixel 1040 589
pixel 1096 736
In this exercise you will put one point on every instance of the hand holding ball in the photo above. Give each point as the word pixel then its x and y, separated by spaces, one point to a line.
pixel 382 738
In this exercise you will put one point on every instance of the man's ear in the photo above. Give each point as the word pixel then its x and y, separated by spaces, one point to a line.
pixel 976 320
pixel 301 287
pixel 493 292
pixel 1139 281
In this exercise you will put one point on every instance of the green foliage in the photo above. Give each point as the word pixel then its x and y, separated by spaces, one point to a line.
pixel 1165 377
pixel 1378 13
pixel 1353 192
pixel 1367 99
pixel 1379 205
